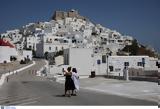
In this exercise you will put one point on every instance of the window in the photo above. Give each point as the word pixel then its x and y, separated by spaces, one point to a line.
pixel 119 40
pixel 30 47
pixel 49 48
pixel 143 62
pixel 105 39
pixel 111 68
pixel 56 48
pixel 65 41
pixel 55 39
pixel 157 63
pixel 126 63
pixel 139 64
pixel 103 58
pixel 74 41
pixel 98 62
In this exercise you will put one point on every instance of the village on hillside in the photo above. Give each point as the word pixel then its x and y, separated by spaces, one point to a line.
pixel 70 39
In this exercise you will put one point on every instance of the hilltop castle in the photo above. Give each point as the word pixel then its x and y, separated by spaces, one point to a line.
pixel 60 15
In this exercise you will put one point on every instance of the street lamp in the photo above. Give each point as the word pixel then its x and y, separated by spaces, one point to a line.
pixel 93 66
pixel 107 56
pixel 107 63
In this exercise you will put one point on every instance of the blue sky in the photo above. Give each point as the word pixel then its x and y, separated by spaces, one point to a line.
pixel 138 18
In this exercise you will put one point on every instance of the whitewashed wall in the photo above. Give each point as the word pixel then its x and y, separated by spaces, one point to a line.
pixel 27 53
pixel 6 52
pixel 45 47
pixel 59 60
pixel 118 63
pixel 100 69
pixel 54 70
pixel 81 59
pixel 152 63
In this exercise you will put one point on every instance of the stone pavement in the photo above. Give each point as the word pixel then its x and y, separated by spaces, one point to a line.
pixel 25 88
pixel 132 89
pixel 5 75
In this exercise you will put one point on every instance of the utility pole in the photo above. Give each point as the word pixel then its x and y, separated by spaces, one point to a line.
pixel 107 64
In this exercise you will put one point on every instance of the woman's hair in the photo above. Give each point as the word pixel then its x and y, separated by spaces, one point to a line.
pixel 74 70
pixel 69 69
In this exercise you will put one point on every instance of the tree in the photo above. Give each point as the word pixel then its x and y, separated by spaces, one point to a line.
pixel 133 49
pixel 59 53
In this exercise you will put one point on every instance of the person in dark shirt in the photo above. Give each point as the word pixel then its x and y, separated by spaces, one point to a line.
pixel 69 84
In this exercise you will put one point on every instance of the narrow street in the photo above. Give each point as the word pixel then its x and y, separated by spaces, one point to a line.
pixel 25 88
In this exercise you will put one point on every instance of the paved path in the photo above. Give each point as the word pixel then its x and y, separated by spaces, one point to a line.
pixel 27 89
pixel 133 89
pixel 4 68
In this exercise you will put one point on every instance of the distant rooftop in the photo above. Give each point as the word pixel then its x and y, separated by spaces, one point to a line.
pixel 6 43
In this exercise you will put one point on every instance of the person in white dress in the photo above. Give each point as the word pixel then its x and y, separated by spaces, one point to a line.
pixel 75 78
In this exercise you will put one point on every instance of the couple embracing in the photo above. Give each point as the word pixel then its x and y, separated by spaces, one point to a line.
pixel 71 81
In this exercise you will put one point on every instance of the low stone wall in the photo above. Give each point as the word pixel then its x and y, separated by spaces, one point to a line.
pixel 144 78
pixel 136 72
pixel 3 77
pixel 140 72
pixel 143 75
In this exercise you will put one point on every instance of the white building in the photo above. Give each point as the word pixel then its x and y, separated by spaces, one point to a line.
pixel 153 64
pixel 68 20
pixel 27 54
pixel 50 27
pixel 84 60
pixel 116 63
pixel 43 48
pixel 91 35
pixel 7 51
pixel 15 37
pixel 87 33
pixel 20 44
pixel 79 58
pixel 32 41
pixel 51 44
